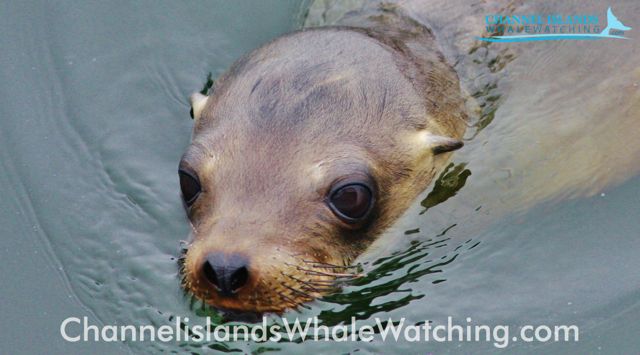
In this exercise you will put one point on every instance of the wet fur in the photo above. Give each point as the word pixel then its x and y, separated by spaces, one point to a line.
pixel 295 115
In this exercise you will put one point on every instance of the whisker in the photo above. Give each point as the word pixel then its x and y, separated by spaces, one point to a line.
pixel 303 282
pixel 320 289
pixel 325 273
pixel 328 273
pixel 321 282
pixel 329 266
pixel 315 285
pixel 292 302
pixel 294 278
pixel 301 305
pixel 303 294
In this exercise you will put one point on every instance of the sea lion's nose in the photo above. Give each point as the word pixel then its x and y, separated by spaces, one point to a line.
pixel 226 272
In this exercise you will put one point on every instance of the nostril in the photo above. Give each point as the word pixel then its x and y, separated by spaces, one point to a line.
pixel 239 278
pixel 210 273
pixel 227 273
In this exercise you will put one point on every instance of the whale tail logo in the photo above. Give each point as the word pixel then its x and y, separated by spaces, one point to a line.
pixel 613 23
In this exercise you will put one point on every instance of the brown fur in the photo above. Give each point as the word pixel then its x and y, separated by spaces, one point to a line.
pixel 288 120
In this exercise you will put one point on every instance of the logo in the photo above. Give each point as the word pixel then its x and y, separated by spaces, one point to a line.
pixel 533 27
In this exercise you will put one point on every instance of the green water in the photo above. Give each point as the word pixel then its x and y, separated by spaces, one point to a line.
pixel 94 120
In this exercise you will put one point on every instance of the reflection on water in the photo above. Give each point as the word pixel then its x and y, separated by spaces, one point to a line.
pixel 450 181
pixel 392 275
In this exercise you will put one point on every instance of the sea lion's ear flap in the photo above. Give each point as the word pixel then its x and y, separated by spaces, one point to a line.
pixel 198 102
pixel 441 144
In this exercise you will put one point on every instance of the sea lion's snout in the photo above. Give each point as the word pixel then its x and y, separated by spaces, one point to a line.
pixel 269 278
pixel 227 273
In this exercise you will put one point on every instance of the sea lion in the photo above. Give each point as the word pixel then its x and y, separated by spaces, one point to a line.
pixel 313 145
pixel 307 149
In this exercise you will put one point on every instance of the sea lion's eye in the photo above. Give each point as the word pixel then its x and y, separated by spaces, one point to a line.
pixel 189 185
pixel 352 202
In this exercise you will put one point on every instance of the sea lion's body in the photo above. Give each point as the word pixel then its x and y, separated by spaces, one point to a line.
pixel 572 106
pixel 374 99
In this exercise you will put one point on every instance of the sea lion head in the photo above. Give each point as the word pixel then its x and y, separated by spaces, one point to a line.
pixel 307 149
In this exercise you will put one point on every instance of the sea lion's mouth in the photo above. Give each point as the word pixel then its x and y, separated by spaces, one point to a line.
pixel 269 288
